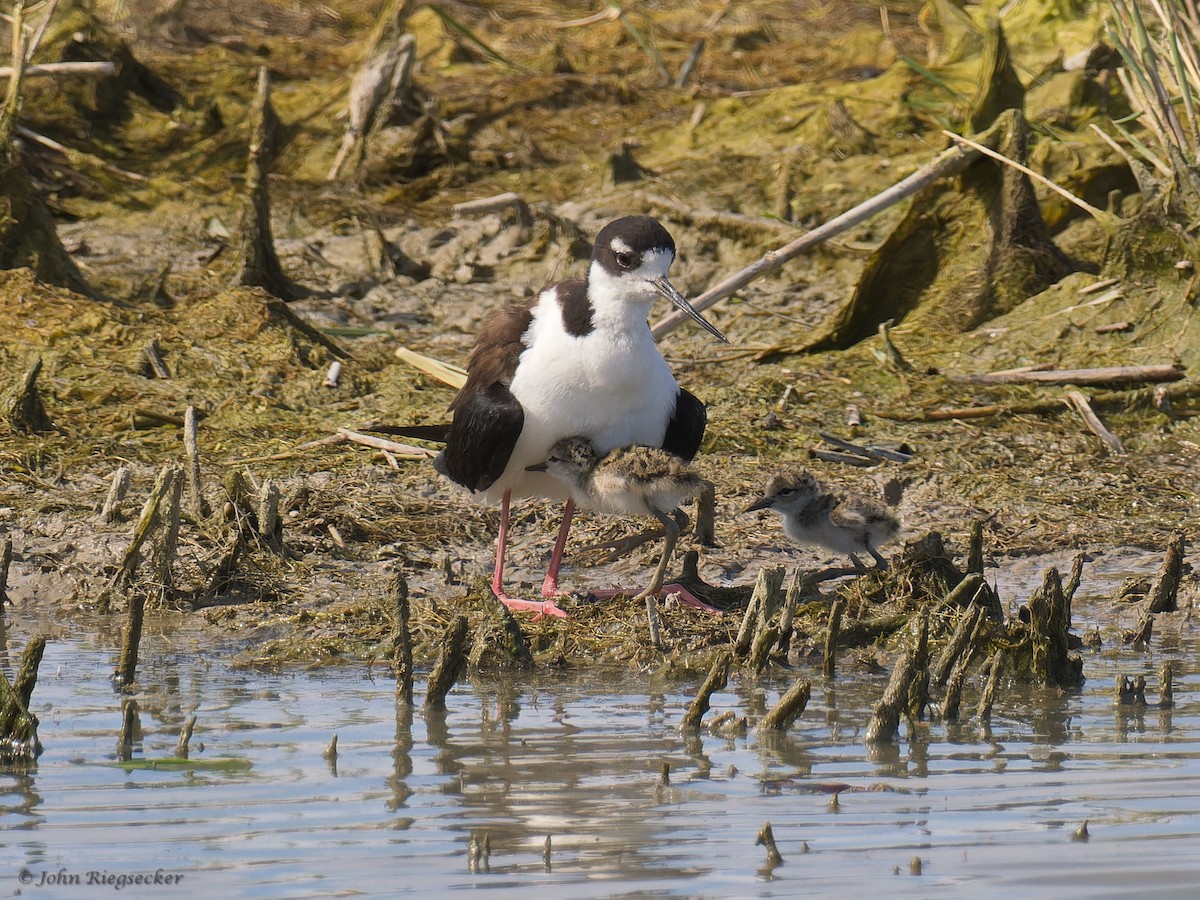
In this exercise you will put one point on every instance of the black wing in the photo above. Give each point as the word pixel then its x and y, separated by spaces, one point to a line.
pixel 485 428
pixel 685 431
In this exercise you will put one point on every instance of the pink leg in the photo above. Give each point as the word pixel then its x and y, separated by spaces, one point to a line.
pixel 550 583
pixel 542 608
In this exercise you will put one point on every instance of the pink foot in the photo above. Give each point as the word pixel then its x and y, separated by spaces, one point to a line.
pixel 541 607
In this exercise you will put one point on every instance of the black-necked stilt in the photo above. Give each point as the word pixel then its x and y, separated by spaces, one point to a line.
pixel 578 359
pixel 630 481
pixel 812 514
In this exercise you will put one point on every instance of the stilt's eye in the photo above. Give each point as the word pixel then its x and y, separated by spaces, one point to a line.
pixel 785 492
pixel 625 260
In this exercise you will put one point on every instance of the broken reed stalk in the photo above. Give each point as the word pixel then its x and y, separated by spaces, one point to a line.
pixel 167 542
pixel 968 622
pixel 1100 375
pixel 1166 686
pixel 718 677
pixel 1074 579
pixel 22 405
pixel 766 838
pixel 918 689
pixel 185 738
pixel 952 698
pixel 153 354
pixel 885 719
pixel 145 524
pixel 762 605
pixel 129 729
pixel 6 556
pixel 995 667
pixel 788 708
pixel 1163 595
pixel 449 665
pixel 127 663
pixel 652 622
pixel 829 665
pixel 787 615
pixel 198 508
pixel 259 266
pixel 1049 627
pixel 402 655
pixel 975 549
pixel 946 163
pixel 1077 401
pixel 110 512
pixel 760 652
pixel 18 726
pixel 270 525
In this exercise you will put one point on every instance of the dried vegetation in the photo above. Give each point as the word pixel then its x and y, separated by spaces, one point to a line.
pixel 170 177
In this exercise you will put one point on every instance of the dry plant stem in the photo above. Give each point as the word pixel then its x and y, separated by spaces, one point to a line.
pixel 185 738
pixel 652 622
pixel 154 357
pixel 402 655
pixel 1164 593
pixel 766 838
pixel 146 521
pixel 995 668
pixel 167 528
pixel 6 556
pixel 259 265
pixel 1077 401
pixel 788 709
pixel 885 720
pixel 15 720
pixel 445 672
pixel 402 451
pixel 36 41
pixel 12 98
pixel 129 723
pixel 718 677
pixel 761 607
pixel 1103 375
pixel 957 644
pixel 111 511
pixel 946 163
pixel 1074 579
pixel 270 525
pixel 788 614
pixel 1166 686
pixel 975 549
pixel 44 70
pixel 958 675
pixel 1105 219
pixel 127 664
pixel 23 405
pixel 760 650
pixel 829 666
pixel 197 507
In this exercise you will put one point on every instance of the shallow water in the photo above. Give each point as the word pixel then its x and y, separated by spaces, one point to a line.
pixel 578 757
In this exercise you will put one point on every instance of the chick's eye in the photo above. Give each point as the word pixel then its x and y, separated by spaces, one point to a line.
pixel 787 492
pixel 625 260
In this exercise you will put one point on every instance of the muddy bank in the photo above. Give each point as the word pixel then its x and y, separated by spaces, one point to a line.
pixel 794 114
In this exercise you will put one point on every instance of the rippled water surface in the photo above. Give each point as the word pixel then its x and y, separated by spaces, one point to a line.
pixel 577 757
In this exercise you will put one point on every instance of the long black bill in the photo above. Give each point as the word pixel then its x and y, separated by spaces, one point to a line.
pixel 760 503
pixel 668 290
pixel 537 467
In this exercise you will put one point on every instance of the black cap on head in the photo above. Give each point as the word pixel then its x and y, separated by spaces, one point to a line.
pixel 638 233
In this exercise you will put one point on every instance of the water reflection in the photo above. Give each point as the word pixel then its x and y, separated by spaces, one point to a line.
pixel 554 781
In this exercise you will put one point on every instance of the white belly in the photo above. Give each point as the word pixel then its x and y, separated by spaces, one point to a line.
pixel 613 392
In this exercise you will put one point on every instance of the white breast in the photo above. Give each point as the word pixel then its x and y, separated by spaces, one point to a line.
pixel 611 386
